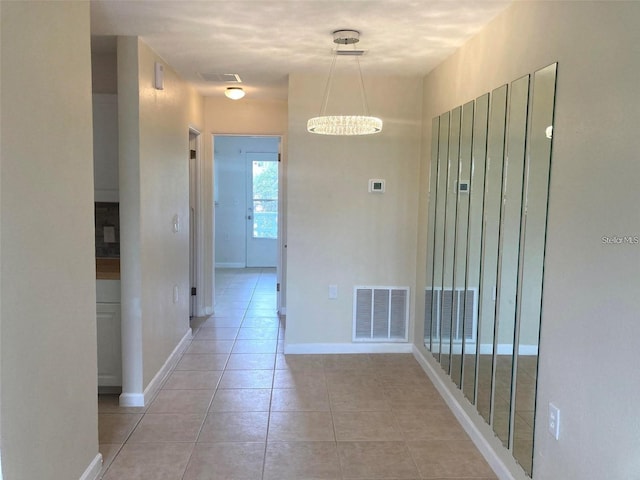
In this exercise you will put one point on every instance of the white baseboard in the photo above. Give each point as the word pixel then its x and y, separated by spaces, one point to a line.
pixel 142 399
pixel 487 349
pixel 131 399
pixel 230 265
pixel 331 348
pixel 172 361
pixel 93 470
pixel 487 450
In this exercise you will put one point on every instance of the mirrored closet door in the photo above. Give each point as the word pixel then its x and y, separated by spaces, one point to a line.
pixel 488 195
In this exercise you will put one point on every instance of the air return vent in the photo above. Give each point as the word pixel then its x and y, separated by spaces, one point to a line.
pixel 221 77
pixel 380 314
pixel 456 309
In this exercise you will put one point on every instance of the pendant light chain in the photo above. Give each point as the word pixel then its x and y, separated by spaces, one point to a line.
pixel 327 88
pixel 344 124
pixel 365 106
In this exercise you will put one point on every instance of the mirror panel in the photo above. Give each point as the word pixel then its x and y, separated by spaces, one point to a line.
pixel 537 168
pixel 474 241
pixel 488 197
pixel 439 235
pixel 489 259
pixel 462 308
pixel 433 182
pixel 508 256
pixel 446 318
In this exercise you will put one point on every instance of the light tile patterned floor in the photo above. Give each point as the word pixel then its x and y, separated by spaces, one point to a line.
pixel 235 408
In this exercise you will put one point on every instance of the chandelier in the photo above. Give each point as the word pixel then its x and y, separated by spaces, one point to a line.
pixel 345 124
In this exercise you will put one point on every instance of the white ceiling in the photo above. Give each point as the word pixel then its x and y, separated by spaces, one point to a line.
pixel 265 40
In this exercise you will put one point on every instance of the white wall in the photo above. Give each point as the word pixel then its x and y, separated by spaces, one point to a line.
pixel 338 233
pixel 105 147
pixel 104 72
pixel 130 217
pixel 154 187
pixel 230 193
pixel 49 374
pixel 591 303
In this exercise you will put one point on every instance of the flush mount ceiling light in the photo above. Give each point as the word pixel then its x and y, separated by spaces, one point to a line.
pixel 234 93
pixel 345 124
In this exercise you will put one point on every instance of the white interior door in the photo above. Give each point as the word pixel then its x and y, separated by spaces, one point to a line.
pixel 262 209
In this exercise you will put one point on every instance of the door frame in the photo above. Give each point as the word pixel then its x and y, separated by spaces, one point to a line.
pixel 282 245
pixel 197 268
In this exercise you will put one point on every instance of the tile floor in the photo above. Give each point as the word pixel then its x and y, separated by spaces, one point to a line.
pixel 235 407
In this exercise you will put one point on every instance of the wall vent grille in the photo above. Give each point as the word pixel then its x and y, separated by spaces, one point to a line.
pixel 221 77
pixel 380 314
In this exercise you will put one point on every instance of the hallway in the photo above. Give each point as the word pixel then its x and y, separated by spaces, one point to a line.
pixel 235 407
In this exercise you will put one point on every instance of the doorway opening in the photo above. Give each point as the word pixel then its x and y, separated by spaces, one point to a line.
pixel 248 202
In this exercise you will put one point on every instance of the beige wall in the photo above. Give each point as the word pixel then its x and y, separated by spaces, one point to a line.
pixel 165 117
pixel 49 375
pixel 154 187
pixel 246 116
pixel 338 233
pixel 587 360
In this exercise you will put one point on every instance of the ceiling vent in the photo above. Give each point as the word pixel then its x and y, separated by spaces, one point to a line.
pixel 221 77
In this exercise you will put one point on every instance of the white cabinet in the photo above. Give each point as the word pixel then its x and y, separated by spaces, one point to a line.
pixel 108 333
pixel 109 345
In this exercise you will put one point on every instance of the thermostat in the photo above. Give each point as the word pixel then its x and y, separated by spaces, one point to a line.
pixel 463 187
pixel 376 185
pixel 159 76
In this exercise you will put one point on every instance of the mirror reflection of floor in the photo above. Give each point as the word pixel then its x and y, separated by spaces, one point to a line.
pixel 525 400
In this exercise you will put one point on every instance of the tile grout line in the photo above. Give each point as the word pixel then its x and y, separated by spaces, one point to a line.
pixel 333 423
pixel 215 389
pixel 206 414
pixel 224 369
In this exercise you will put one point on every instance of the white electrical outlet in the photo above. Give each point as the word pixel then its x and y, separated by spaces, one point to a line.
pixel 333 292
pixel 554 421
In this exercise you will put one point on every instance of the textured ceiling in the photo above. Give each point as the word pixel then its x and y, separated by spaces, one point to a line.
pixel 265 40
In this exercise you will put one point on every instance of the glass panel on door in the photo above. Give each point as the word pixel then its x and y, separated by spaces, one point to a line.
pixel 265 199
pixel 262 209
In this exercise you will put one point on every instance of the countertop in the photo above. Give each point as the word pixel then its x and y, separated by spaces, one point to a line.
pixel 107 268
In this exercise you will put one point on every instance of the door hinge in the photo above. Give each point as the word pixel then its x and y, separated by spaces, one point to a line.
pixel 279 157
pixel 192 154
pixel 193 291
pixel 277 287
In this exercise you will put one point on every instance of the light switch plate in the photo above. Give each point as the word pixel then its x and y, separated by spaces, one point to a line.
pixel 159 76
